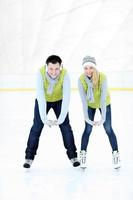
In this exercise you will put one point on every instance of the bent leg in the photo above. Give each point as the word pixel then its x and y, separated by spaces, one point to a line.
pixel 88 129
pixel 35 132
pixel 67 133
pixel 108 128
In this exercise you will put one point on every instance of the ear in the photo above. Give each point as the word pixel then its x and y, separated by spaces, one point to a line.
pixel 46 66
pixel 61 66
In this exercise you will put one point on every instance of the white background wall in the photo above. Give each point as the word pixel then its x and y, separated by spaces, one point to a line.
pixel 31 30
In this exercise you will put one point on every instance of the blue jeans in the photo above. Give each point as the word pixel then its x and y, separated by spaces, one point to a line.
pixel 36 129
pixel 107 126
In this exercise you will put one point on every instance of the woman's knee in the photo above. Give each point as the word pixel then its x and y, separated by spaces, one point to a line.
pixel 108 129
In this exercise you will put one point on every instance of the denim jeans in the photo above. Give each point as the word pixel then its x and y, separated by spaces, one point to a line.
pixel 36 129
pixel 107 126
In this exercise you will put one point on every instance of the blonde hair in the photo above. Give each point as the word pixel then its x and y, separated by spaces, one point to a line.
pixel 95 77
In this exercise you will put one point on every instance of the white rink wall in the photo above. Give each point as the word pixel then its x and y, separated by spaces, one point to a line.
pixel 116 80
pixel 34 29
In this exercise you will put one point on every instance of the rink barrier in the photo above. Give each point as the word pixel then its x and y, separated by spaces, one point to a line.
pixel 73 89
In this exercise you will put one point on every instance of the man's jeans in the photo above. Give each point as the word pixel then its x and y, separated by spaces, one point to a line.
pixel 36 129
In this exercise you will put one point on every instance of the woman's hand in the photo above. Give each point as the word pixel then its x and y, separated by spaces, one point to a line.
pixel 98 123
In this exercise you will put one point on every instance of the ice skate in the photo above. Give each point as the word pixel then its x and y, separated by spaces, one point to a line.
pixel 116 160
pixel 83 163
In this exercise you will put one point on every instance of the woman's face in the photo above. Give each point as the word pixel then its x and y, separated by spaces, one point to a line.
pixel 53 69
pixel 88 70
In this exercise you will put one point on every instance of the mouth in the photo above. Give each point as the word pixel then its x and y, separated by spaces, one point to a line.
pixel 53 76
pixel 89 74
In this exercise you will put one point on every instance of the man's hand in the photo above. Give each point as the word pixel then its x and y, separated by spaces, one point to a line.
pixel 50 123
pixel 55 122
pixel 89 121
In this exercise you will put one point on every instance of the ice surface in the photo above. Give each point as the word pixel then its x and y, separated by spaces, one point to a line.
pixel 52 175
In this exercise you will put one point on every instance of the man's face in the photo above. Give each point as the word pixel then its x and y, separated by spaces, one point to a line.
pixel 54 69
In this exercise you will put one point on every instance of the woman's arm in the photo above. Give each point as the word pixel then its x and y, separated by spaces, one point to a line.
pixel 84 103
pixel 103 100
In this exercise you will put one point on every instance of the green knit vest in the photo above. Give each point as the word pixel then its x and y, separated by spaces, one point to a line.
pixel 57 93
pixel 96 91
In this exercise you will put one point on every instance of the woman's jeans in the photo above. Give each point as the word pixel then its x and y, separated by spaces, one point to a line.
pixel 107 126
pixel 36 129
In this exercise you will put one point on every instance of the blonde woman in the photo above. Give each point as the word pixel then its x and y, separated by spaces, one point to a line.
pixel 95 95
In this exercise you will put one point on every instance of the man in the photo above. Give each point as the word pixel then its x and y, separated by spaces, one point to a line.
pixel 53 91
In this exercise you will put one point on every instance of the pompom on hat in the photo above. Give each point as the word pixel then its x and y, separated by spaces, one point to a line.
pixel 89 60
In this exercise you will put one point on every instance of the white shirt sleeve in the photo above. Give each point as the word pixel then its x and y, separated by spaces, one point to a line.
pixel 103 99
pixel 84 102
pixel 40 95
pixel 65 99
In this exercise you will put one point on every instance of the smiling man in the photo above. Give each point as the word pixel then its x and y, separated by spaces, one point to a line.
pixel 52 91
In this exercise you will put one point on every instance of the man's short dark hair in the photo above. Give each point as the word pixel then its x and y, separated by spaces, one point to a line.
pixel 53 59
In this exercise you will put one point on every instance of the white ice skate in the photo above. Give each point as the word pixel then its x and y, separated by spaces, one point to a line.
pixel 116 160
pixel 27 163
pixel 83 163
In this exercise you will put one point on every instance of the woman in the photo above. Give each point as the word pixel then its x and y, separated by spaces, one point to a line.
pixel 94 94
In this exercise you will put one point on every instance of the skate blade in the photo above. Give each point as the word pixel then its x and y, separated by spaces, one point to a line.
pixel 83 168
pixel 117 167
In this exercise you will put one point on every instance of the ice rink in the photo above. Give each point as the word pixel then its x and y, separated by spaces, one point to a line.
pixel 30 31
pixel 52 175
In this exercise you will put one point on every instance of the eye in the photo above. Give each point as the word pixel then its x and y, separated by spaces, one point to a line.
pixel 85 68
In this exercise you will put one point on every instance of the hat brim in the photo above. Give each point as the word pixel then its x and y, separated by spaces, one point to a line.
pixel 89 64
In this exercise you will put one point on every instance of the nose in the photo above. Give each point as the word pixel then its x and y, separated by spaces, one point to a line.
pixel 54 72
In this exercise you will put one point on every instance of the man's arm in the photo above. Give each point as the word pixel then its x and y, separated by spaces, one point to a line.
pixel 65 99
pixel 40 95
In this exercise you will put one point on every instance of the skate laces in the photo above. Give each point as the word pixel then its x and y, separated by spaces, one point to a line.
pixel 83 156
pixel 116 157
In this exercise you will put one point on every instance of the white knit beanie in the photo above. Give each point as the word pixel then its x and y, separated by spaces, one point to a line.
pixel 89 60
